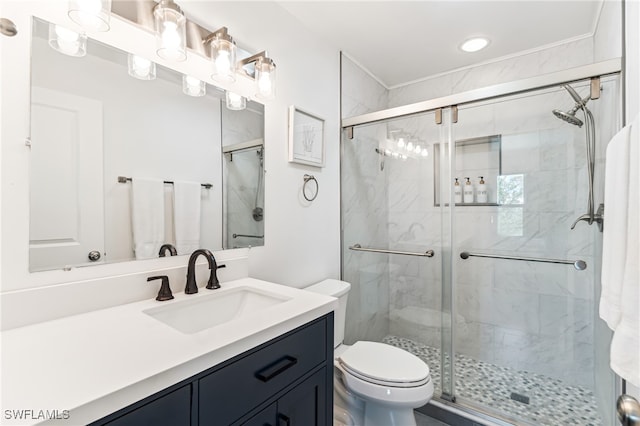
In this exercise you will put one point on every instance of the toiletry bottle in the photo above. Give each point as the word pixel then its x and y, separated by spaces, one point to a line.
pixel 457 192
pixel 468 191
pixel 482 195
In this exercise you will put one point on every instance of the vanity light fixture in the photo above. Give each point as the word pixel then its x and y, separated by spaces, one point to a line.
pixel 66 41
pixel 193 87
pixel 92 15
pixel 235 102
pixel 223 54
pixel 171 31
pixel 474 44
pixel 264 74
pixel 141 68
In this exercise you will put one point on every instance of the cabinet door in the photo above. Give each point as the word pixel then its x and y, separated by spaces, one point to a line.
pixel 305 405
pixel 173 409
pixel 266 417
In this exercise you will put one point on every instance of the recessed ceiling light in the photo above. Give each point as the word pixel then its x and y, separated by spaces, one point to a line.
pixel 474 44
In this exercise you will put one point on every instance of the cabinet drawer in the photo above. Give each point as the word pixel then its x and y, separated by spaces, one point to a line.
pixel 227 394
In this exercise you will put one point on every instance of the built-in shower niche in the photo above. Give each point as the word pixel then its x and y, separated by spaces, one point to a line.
pixel 474 157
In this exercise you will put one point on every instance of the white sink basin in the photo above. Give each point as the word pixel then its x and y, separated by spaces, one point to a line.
pixel 218 307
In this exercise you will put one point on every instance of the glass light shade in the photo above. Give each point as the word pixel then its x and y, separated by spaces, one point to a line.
pixel 410 146
pixel 171 31
pixel 235 102
pixel 401 142
pixel 141 68
pixel 424 152
pixel 66 41
pixel 417 149
pixel 193 87
pixel 265 75
pixel 92 15
pixel 223 55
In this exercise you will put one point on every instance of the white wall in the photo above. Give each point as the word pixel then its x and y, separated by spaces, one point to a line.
pixel 302 239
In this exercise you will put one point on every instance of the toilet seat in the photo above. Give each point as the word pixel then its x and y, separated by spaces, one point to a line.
pixel 384 365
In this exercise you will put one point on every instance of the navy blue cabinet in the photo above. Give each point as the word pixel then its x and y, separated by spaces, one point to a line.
pixel 287 381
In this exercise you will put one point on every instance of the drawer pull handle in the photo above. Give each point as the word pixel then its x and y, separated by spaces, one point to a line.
pixel 276 368
pixel 283 420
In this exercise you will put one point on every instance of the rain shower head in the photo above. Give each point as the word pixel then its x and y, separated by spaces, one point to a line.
pixel 568 116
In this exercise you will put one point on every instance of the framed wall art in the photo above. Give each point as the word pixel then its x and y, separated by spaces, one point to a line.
pixel 306 138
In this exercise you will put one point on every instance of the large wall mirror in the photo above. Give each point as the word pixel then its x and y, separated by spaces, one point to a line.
pixel 102 142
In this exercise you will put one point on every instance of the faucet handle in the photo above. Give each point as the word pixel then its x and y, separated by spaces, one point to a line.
pixel 214 282
pixel 165 290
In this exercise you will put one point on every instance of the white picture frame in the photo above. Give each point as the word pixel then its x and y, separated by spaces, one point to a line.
pixel 306 138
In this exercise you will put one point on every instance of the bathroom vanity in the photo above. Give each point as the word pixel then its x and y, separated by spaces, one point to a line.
pixel 126 365
pixel 284 381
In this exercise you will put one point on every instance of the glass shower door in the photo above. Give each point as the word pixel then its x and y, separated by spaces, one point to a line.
pixel 526 334
pixel 388 204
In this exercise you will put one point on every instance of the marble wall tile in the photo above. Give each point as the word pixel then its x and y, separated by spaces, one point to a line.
pixel 557 58
pixel 360 92
pixel 567 317
pixel 475 340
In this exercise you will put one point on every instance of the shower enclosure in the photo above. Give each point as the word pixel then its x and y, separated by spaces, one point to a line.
pixel 505 311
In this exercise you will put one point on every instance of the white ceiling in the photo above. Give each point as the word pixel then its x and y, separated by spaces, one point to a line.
pixel 403 41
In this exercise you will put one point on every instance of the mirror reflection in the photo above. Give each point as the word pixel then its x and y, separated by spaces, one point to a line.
pixel 121 166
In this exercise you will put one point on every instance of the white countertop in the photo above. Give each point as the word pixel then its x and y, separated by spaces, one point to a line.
pixel 98 362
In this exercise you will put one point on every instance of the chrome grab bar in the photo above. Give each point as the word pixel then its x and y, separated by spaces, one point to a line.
pixel 358 247
pixel 628 410
pixel 247 236
pixel 580 265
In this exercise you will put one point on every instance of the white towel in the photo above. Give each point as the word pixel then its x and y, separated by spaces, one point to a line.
pixel 614 239
pixel 625 345
pixel 147 216
pixel 186 216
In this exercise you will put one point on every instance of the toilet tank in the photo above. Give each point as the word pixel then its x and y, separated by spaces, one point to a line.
pixel 339 289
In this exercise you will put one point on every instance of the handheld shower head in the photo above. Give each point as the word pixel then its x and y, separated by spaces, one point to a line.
pixel 569 116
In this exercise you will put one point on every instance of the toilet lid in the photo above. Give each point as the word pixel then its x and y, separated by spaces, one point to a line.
pixel 382 363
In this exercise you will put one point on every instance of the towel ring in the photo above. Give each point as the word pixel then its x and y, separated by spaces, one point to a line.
pixel 307 179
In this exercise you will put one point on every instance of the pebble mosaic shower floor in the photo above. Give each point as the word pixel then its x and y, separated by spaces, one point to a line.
pixel 551 401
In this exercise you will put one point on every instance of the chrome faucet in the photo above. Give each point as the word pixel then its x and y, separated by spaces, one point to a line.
pixel 192 286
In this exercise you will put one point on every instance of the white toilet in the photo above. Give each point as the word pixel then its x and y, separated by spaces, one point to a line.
pixel 375 384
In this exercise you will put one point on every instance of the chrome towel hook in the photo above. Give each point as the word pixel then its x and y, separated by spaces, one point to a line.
pixel 307 179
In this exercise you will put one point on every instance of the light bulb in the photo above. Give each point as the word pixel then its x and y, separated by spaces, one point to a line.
pixel 387 152
pixel 417 149
pixel 265 76
pixel 66 41
pixel 192 86
pixel 410 146
pixel 424 152
pixel 141 68
pixel 92 15
pixel 170 26
pixel 264 84
pixel 235 102
pixel 170 37
pixel 401 143
pixel 223 64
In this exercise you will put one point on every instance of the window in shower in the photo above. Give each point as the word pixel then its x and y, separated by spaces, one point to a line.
pixel 511 201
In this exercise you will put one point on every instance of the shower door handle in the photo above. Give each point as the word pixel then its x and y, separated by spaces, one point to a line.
pixel 628 410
